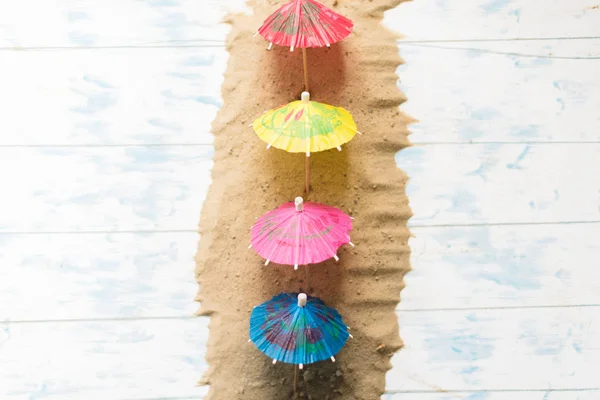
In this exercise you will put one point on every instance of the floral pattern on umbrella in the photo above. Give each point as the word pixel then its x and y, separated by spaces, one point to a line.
pixel 291 330
pixel 301 233
pixel 306 126
pixel 305 23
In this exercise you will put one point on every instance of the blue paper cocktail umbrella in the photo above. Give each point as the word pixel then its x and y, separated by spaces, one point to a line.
pixel 297 329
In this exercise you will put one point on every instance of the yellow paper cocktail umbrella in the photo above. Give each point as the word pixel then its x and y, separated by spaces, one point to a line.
pixel 305 126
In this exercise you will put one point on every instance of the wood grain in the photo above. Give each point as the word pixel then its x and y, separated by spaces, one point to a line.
pixel 502 183
pixel 495 19
pixel 539 98
pixel 114 22
pixel 97 276
pixel 110 97
pixel 490 350
pixel 108 189
pixel 498 349
pixel 503 266
pixel 102 359
pixel 146 275
pixel 499 395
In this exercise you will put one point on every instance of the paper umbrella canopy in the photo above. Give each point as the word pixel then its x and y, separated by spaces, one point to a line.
pixel 297 329
pixel 301 233
pixel 305 23
pixel 305 126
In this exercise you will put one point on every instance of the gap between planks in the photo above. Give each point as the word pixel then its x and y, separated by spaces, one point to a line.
pixel 160 231
pixel 111 145
pixel 221 44
pixel 192 317
pixel 466 391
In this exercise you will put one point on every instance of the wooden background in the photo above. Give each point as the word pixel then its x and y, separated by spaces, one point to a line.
pixel 105 157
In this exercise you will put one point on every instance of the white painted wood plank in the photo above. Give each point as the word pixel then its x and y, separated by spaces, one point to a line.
pixel 483 350
pixel 483 19
pixel 90 276
pixel 498 349
pixel 74 276
pixel 537 99
pixel 108 97
pixel 102 360
pixel 510 183
pixel 112 22
pixel 136 188
pixel 503 266
pixel 535 395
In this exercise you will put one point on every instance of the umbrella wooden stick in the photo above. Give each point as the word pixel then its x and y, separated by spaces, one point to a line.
pixel 305 69
pixel 306 102
pixel 306 274
pixel 307 174
pixel 295 378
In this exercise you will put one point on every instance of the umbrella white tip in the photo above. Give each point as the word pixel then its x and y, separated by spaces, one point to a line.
pixel 267 262
pixel 301 366
pixel 256 34
pixel 328 45
pixel 352 218
pixel 336 258
pixel 268 146
pixel 308 154
pixel 332 359
pixel 299 202
pixel 295 266
pixel 350 243
pixel 305 97
pixel 270 46
pixel 351 337
pixel 250 246
pixel 274 362
pixel 358 132
pixel 339 148
pixel 249 340
pixel 251 125
pixel 302 300
pixel 292 48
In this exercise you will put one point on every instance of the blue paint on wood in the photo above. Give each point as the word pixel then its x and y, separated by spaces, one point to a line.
pixel 185 75
pixel 163 124
pixel 512 270
pixel 456 346
pixel 82 39
pixel 199 60
pixel 520 158
pixel 478 396
pixel 531 62
pixel 74 16
pixel 493 6
pixel 209 100
pixel 517 14
pixel 162 3
pixel 97 102
pixel 97 81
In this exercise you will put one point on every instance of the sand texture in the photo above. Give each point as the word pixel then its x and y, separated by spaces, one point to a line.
pixel 358 74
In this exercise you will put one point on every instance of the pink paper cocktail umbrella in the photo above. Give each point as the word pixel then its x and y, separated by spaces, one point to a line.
pixel 303 24
pixel 301 233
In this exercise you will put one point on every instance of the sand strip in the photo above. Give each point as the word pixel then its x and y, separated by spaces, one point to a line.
pixel 358 74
